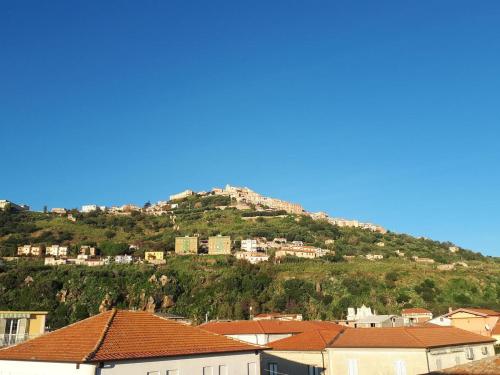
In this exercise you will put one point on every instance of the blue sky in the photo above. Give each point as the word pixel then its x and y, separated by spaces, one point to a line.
pixel 383 111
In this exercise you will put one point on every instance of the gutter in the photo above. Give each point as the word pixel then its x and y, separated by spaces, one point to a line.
pixel 427 351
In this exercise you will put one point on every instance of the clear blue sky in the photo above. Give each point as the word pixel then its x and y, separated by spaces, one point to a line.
pixel 384 111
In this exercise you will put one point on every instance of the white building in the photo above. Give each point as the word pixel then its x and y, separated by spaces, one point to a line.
pixel 249 245
pixel 181 195
pixel 56 251
pixel 252 257
pixel 89 208
pixel 123 259
pixel 130 343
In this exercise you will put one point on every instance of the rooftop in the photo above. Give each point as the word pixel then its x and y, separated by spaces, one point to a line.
pixel 406 337
pixel 477 311
pixel 306 341
pixel 486 366
pixel 415 310
pixel 120 335
pixel 267 326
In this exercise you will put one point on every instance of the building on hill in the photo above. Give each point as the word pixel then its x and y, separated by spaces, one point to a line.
pixel 186 245
pixel 17 207
pixel 265 331
pixel 89 208
pixel 56 251
pixel 219 245
pixel 59 211
pixel 130 342
pixel 30 250
pixel 254 257
pixel 416 315
pixel 154 257
pixel 404 350
pixel 249 245
pixel 297 252
pixel 480 321
pixel 181 195
pixel 19 326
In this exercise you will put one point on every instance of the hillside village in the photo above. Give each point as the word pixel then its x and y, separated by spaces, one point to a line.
pixel 274 288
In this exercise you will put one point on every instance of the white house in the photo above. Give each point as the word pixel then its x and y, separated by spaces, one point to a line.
pixel 249 245
pixel 89 208
pixel 130 343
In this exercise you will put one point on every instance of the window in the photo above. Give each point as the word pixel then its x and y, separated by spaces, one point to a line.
pixel 153 372
pixel 209 370
pixel 252 368
pixel 172 372
pixel 457 360
pixel 400 367
pixel 223 370
pixel 352 368
pixel 272 368
pixel 313 370
pixel 484 350
pixel 469 353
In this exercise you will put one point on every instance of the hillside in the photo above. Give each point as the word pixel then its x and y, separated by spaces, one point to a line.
pixel 224 287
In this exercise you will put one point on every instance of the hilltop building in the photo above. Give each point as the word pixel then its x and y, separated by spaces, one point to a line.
pixel 17 207
pixel 249 245
pixel 252 257
pixel 186 245
pixel 416 315
pixel 219 245
pixel 155 257
pixel 181 195
pixel 56 251
pixel 120 342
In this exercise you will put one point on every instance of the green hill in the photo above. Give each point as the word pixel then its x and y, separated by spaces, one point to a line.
pixel 224 287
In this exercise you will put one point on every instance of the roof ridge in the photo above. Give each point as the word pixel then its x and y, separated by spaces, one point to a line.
pixel 102 336
pixel 415 338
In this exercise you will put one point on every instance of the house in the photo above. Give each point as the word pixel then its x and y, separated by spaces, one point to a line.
pixel 262 332
pixel 218 245
pixel 298 252
pixel 59 211
pixel 155 257
pixel 423 260
pixel 374 256
pixel 186 245
pixel 181 195
pixel 51 261
pixel 29 250
pixel 19 326
pixel 480 321
pixel 453 249
pixel 123 259
pixel 415 315
pixel 88 250
pixel 379 321
pixel 89 208
pixel 118 342
pixel 253 257
pixel 17 207
pixel 56 251
pixel 404 350
pixel 304 353
pixel 249 245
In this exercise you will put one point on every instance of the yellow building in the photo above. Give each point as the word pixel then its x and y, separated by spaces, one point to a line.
pixel 153 255
pixel 186 245
pixel 19 326
pixel 219 245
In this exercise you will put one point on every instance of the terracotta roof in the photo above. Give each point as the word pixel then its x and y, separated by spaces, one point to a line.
pixel 415 310
pixel 306 341
pixel 483 312
pixel 496 329
pixel 485 366
pixel 119 335
pixel 266 326
pixel 406 337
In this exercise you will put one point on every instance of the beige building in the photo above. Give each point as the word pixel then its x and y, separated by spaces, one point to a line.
pixel 219 245
pixel 253 257
pixel 19 326
pixel 154 256
pixel 130 343
pixel 416 315
pixel 29 250
pixel 56 251
pixel 297 252
pixel 181 195
pixel 186 245
pixel 404 350
pixel 480 321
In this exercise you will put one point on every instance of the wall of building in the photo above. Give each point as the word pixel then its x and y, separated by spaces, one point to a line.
pixel 37 324
pixel 294 362
pixel 473 323
pixel 44 368
pixel 260 338
pixel 219 245
pixel 186 245
pixel 415 361
pixel 235 364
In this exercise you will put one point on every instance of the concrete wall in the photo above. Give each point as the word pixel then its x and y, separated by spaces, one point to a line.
pixel 473 323
pixel 44 368
pixel 294 362
pixel 37 324
pixel 246 363
pixel 380 361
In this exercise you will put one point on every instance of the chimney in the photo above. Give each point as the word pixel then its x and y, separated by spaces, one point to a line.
pixel 450 309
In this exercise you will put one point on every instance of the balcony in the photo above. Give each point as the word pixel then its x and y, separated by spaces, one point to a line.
pixel 7 340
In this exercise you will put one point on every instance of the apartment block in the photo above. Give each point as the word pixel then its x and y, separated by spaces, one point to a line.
pixel 186 245
pixel 219 245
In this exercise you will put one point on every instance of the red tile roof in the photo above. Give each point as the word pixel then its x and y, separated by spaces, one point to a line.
pixel 415 310
pixel 406 337
pixel 485 366
pixel 249 327
pixel 119 335
pixel 306 341
pixel 496 329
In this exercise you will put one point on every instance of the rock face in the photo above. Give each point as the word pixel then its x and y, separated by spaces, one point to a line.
pixel 28 280
pixel 105 304
pixel 153 279
pixel 164 280
pixel 151 305
pixel 167 302
pixel 61 295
